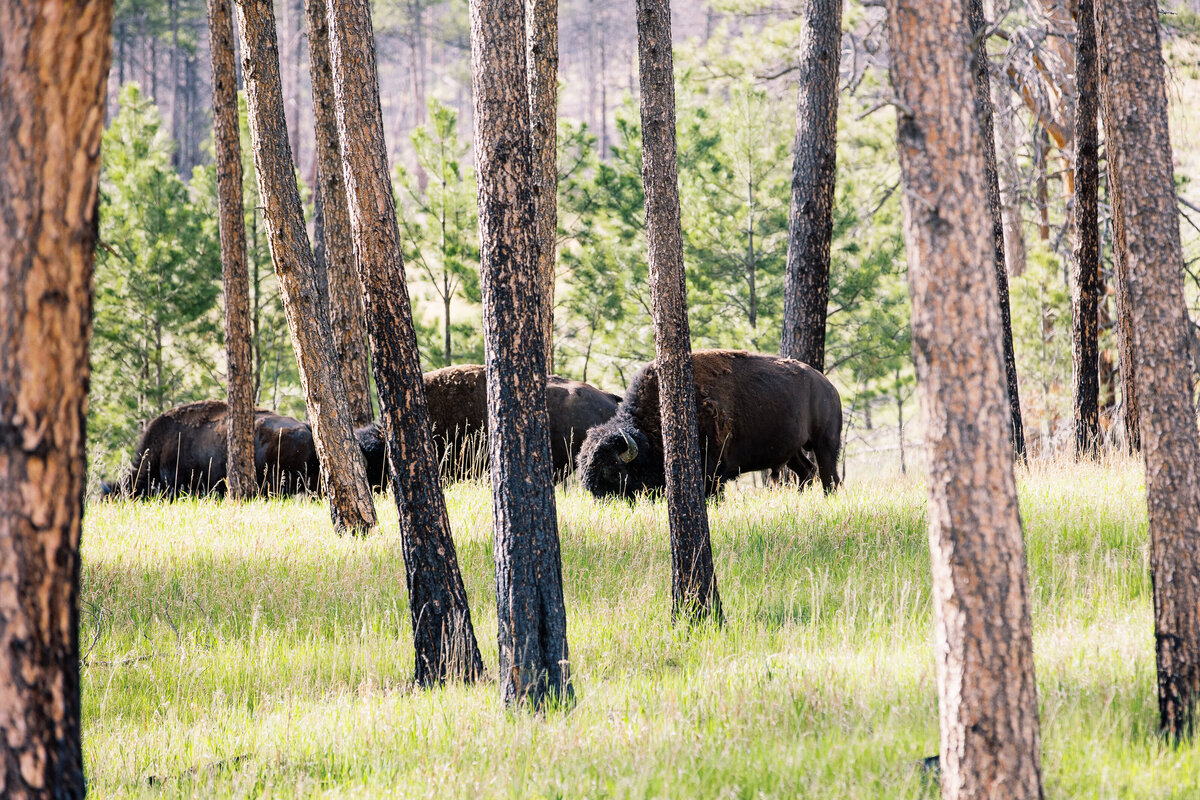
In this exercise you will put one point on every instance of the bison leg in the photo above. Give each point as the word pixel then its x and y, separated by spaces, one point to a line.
pixel 805 470
pixel 827 458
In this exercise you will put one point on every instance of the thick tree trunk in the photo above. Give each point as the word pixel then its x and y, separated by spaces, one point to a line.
pixel 1088 285
pixel 693 578
pixel 443 636
pixel 54 60
pixel 542 57
pixel 532 632
pixel 814 174
pixel 983 110
pixel 342 468
pixel 1134 98
pixel 986 689
pixel 345 292
pixel 240 389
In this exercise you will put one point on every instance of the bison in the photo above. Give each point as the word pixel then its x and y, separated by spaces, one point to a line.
pixel 755 412
pixel 457 398
pixel 184 451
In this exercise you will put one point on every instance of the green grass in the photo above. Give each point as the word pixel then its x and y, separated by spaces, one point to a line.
pixel 234 651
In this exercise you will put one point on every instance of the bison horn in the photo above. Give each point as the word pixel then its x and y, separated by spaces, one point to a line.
pixel 631 451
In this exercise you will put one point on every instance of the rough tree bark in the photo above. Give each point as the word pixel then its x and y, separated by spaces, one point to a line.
pixel 1134 98
pixel 54 59
pixel 443 636
pixel 342 468
pixel 983 111
pixel 1126 349
pixel 240 371
pixel 1088 282
pixel 693 578
pixel 336 258
pixel 1011 179
pixel 983 634
pixel 532 632
pixel 814 175
pixel 541 25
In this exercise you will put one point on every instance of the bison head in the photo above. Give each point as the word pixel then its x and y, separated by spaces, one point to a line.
pixel 616 458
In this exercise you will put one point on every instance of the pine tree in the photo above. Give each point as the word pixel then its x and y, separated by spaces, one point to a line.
pixel 49 174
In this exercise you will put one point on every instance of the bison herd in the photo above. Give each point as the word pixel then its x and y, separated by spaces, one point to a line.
pixel 755 412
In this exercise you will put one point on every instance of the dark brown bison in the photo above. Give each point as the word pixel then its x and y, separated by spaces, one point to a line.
pixel 457 398
pixel 755 412
pixel 184 451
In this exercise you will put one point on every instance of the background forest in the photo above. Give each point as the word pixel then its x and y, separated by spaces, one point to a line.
pixel 158 334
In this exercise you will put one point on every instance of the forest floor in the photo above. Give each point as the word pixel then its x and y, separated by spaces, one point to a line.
pixel 247 650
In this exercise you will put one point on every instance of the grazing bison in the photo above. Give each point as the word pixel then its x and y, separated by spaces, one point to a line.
pixel 184 451
pixel 457 398
pixel 755 412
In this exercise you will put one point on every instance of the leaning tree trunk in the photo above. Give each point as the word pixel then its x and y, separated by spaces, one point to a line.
pixel 814 174
pixel 443 636
pixel 986 689
pixel 54 60
pixel 342 467
pixel 1086 306
pixel 1134 98
pixel 983 110
pixel 532 632
pixel 542 57
pixel 693 578
pixel 240 371
pixel 345 294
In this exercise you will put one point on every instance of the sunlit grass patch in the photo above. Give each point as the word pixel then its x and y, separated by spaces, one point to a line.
pixel 246 650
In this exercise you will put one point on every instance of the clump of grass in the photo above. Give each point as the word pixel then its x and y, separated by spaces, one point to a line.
pixel 237 650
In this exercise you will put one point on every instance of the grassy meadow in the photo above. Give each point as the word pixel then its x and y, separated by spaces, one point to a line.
pixel 236 651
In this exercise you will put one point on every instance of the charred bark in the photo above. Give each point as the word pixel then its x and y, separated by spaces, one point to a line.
pixel 542 34
pixel 693 577
pixel 1134 99
pixel 814 175
pixel 986 689
pixel 236 279
pixel 336 258
pixel 1088 285
pixel 54 60
pixel 532 632
pixel 342 469
pixel 983 111
pixel 443 635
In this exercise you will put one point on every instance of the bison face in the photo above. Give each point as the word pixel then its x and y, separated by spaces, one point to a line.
pixel 616 458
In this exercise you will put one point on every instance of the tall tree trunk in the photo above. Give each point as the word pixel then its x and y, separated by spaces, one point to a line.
pixel 1041 151
pixel 693 578
pixel 1134 98
pixel 350 502
pixel 443 636
pixel 814 174
pixel 541 25
pixel 236 280
pixel 54 60
pixel 986 689
pixel 345 292
pixel 1087 239
pixel 532 633
pixel 983 110
pixel 1126 349
pixel 1010 184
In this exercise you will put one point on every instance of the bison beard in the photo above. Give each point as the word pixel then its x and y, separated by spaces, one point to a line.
pixel 755 411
